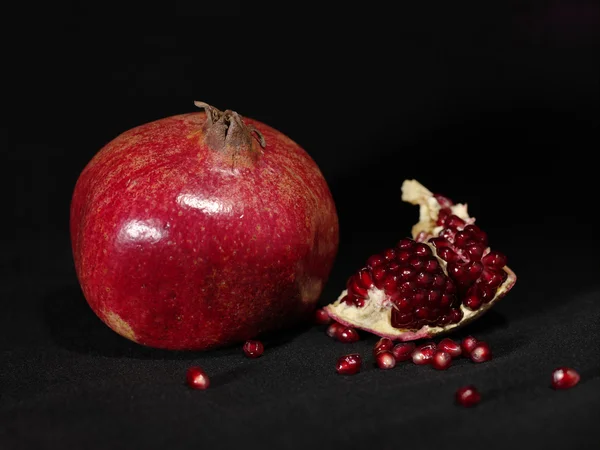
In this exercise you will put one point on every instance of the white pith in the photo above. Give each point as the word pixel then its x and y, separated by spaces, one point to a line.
pixel 375 315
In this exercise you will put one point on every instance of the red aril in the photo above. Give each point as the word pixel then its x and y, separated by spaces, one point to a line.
pixel 481 352
pixel 442 278
pixel 423 354
pixel 385 360
pixel 333 329
pixel 467 345
pixel 321 317
pixel 468 396
pixel 403 351
pixel 451 347
pixel 383 344
pixel 201 230
pixel 565 378
pixel 196 378
pixel 253 349
pixel 441 360
pixel 347 335
pixel 349 364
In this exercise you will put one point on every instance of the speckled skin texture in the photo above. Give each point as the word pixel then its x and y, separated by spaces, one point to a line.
pixel 179 246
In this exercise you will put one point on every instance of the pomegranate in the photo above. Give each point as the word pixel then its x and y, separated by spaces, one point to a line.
pixel 423 354
pixel 441 360
pixel 196 378
pixel 481 352
pixel 253 349
pixel 349 364
pixel 383 345
pixel 333 330
pixel 385 360
pixel 564 378
pixel 201 230
pixel 442 278
pixel 347 335
pixel 467 345
pixel 321 317
pixel 468 396
pixel 451 347
pixel 403 351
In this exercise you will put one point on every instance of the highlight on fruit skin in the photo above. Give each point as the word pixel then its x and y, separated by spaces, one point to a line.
pixel 443 277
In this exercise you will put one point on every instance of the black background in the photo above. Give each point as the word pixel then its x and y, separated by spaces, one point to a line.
pixel 496 107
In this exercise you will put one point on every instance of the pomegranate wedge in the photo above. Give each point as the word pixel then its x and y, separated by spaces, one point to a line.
pixel 442 278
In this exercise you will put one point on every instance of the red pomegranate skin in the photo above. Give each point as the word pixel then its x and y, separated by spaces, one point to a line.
pixel 184 247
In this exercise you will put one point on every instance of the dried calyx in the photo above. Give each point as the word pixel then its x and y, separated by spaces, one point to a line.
pixel 442 278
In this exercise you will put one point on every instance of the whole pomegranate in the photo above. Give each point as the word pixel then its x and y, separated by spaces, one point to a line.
pixel 201 230
pixel 442 278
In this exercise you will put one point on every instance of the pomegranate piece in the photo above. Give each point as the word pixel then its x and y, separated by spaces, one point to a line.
pixel 441 360
pixel 196 378
pixel 385 360
pixel 403 351
pixel 253 349
pixel 349 364
pixel 443 277
pixel 347 335
pixel 565 378
pixel 321 317
pixel 468 396
pixel 467 345
pixel 383 344
pixel 423 354
pixel 481 352
pixel 451 347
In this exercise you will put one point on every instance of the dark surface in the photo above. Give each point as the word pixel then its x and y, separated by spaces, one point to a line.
pixel 499 111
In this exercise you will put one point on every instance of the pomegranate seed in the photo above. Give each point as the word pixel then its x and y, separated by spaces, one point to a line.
pixel 385 360
pixel 492 278
pixel 389 254
pixel 454 222
pixel 447 254
pixel 467 345
pixel 375 261
pixel 347 335
pixel 403 351
pixel 196 378
pixel 321 317
pixel 403 256
pixel 355 288
pixel 475 251
pixel 406 244
pixel 432 265
pixel 333 330
pixel 253 349
pixel 422 250
pixel 423 354
pixel 451 347
pixel 444 202
pixel 564 378
pixel 383 344
pixel 456 315
pixel 481 353
pixel 494 259
pixel 365 280
pixel 468 396
pixel 441 360
pixel 472 300
pixel 390 284
pixel 379 273
pixel 349 364
pixel 461 238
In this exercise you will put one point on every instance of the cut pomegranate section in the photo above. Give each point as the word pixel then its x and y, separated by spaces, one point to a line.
pixel 442 278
